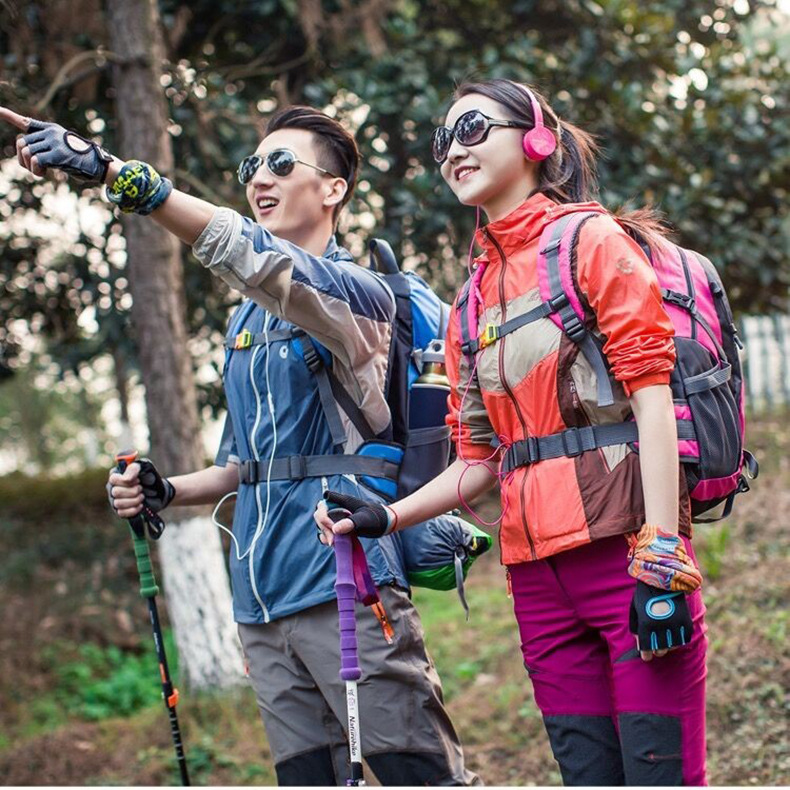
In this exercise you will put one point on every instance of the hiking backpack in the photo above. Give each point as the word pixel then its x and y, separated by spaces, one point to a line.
pixel 706 382
pixel 439 552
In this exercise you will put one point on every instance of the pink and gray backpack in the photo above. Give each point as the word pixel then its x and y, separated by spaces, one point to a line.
pixel 707 382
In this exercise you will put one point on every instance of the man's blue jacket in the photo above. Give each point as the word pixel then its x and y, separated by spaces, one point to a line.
pixel 274 409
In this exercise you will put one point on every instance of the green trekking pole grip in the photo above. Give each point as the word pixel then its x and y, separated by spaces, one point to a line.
pixel 145 568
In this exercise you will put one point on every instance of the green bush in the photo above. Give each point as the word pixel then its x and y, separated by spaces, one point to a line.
pixel 103 682
pixel 712 551
pixel 54 498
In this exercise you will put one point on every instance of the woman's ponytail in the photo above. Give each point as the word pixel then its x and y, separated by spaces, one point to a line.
pixel 569 175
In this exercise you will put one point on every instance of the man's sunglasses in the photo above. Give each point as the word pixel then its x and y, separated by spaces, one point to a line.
pixel 280 162
pixel 471 128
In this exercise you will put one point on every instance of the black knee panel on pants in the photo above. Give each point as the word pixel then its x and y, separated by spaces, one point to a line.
pixel 651 749
pixel 313 769
pixel 587 749
pixel 410 768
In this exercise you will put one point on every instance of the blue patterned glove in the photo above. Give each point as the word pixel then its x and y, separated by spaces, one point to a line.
pixel 57 147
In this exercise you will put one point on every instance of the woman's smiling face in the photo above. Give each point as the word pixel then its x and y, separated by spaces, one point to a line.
pixel 493 174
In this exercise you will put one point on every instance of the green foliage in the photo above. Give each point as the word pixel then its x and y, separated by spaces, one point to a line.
pixel 47 422
pixel 55 499
pixel 490 628
pixel 688 100
pixel 712 551
pixel 778 629
pixel 103 682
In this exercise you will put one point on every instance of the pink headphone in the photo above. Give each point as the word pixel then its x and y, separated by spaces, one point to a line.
pixel 538 143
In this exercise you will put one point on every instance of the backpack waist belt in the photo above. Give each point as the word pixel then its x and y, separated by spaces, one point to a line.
pixel 575 441
pixel 297 467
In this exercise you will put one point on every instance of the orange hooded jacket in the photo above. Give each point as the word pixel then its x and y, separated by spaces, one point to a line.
pixel 534 381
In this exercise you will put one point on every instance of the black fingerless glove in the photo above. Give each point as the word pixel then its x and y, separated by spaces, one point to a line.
pixel 370 518
pixel 158 491
pixel 660 619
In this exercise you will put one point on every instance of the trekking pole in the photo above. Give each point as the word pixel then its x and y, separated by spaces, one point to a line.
pixel 346 590
pixel 149 591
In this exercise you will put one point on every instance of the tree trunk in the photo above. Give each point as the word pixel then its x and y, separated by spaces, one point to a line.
pixel 194 576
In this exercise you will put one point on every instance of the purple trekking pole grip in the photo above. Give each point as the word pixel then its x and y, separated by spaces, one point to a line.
pixel 346 591
pixel 350 671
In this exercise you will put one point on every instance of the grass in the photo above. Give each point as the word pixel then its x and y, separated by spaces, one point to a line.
pixel 81 699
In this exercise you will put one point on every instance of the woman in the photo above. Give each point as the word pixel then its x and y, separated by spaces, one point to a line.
pixel 595 541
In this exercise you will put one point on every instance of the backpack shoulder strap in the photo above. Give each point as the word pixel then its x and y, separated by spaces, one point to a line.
pixel 396 388
pixel 467 333
pixel 333 395
pixel 557 288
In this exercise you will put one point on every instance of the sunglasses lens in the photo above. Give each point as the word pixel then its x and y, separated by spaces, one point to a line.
pixel 248 167
pixel 440 143
pixel 471 128
pixel 281 163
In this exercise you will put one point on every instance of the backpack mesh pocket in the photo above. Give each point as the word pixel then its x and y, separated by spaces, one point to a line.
pixel 714 410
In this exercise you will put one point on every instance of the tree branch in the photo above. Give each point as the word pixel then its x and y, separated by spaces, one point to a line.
pixel 61 77
pixel 202 188
pixel 254 70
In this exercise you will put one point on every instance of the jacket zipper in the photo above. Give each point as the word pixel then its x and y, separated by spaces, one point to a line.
pixel 503 379
pixel 258 505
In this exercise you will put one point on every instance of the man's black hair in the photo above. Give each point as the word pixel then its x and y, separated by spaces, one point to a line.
pixel 335 146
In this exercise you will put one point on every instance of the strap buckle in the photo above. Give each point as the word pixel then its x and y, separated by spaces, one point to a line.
pixel 243 340
pixel 533 450
pixel 571 442
pixel 559 302
pixel 574 328
pixel 297 467
pixel 247 471
pixel 489 335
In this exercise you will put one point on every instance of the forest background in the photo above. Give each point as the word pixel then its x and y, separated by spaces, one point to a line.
pixel 110 334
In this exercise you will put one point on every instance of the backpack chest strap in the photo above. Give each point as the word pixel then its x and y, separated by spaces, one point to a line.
pixel 575 441
pixel 298 467
pixel 246 339
pixel 493 332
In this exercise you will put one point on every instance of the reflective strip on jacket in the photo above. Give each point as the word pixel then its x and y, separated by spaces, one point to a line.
pixel 349 311
pixel 534 381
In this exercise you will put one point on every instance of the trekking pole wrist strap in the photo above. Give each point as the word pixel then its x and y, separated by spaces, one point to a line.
pixel 392 520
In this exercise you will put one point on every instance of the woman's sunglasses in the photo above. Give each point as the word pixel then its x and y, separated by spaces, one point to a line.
pixel 471 128
pixel 280 162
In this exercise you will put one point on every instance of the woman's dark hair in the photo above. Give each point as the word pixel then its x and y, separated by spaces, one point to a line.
pixel 335 146
pixel 569 175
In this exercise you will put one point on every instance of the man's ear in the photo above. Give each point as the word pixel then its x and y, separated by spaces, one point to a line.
pixel 335 192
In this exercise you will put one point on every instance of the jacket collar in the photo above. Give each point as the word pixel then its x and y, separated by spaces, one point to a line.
pixel 334 252
pixel 524 223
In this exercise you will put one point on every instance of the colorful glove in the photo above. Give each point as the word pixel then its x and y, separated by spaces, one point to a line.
pixel 57 147
pixel 139 188
pixel 370 519
pixel 659 559
pixel 660 619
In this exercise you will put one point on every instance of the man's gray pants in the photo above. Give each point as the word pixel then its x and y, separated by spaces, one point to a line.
pixel 407 736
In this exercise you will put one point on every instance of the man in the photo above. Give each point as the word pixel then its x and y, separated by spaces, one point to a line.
pixel 298 281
